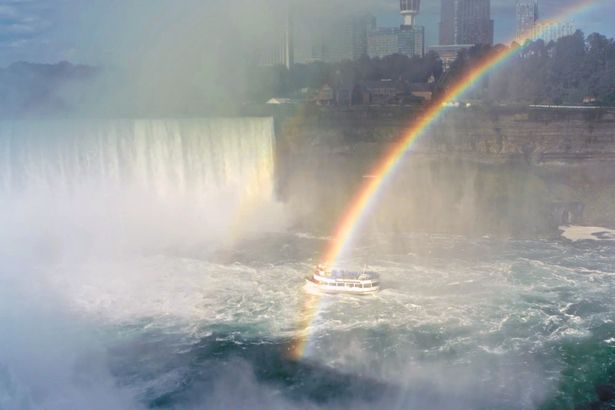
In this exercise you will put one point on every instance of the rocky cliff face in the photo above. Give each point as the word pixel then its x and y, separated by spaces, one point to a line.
pixel 536 136
pixel 481 172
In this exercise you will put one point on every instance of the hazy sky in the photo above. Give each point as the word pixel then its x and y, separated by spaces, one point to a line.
pixel 92 31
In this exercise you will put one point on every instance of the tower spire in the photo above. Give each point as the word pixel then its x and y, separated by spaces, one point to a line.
pixel 409 9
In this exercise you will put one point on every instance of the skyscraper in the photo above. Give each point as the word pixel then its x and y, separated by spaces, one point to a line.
pixel 411 36
pixel 337 41
pixel 280 49
pixel 412 41
pixel 552 31
pixel 342 39
pixel 447 22
pixel 466 22
pixel 527 16
pixel 361 28
pixel 383 41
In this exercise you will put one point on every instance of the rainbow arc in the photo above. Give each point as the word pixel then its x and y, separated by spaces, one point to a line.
pixel 368 194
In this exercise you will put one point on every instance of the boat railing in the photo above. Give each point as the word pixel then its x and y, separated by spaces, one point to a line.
pixel 338 280
pixel 348 283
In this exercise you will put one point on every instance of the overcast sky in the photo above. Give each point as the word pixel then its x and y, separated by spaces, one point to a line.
pixel 94 31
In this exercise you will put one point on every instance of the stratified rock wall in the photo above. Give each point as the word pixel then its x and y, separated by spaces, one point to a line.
pixel 567 137
pixel 508 172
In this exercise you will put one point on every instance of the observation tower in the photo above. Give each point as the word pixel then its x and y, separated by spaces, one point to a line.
pixel 409 9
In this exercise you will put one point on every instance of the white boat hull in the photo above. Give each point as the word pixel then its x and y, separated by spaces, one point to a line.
pixel 331 289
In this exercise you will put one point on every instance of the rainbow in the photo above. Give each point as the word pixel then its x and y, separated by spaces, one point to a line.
pixel 355 214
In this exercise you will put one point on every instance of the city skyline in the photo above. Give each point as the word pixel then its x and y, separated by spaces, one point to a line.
pixel 54 30
pixel 503 12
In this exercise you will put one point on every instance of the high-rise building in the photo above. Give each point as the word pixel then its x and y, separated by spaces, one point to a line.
pixel 473 22
pixel 342 39
pixel 553 31
pixel 337 44
pixel 466 22
pixel 527 16
pixel 411 36
pixel 412 40
pixel 383 41
pixel 447 22
pixel 280 49
pixel 362 26
pixel 408 39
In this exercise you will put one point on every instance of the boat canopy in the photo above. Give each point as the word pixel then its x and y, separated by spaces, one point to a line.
pixel 353 275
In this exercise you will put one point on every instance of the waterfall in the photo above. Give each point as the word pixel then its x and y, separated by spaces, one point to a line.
pixel 185 157
pixel 143 182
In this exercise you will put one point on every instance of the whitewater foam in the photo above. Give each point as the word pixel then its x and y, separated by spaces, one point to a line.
pixel 111 292
pixel 577 233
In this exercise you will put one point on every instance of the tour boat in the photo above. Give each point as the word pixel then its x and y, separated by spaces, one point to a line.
pixel 342 281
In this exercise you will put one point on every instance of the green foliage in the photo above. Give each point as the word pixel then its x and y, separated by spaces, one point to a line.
pixel 562 72
pixel 282 82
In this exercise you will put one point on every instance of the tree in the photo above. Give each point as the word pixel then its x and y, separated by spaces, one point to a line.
pixel 561 72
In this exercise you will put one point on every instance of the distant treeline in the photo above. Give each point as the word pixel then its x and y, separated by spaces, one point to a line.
pixel 282 82
pixel 571 70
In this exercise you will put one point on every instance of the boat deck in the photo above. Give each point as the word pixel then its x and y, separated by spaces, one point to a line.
pixel 339 281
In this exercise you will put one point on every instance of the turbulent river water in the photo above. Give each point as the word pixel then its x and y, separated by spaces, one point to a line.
pixel 109 300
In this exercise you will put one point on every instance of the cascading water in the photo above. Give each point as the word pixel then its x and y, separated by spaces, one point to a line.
pixel 166 157
pixel 130 278
pixel 139 183
pixel 94 210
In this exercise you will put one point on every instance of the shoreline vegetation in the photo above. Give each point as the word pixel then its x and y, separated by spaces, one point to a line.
pixel 576 70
